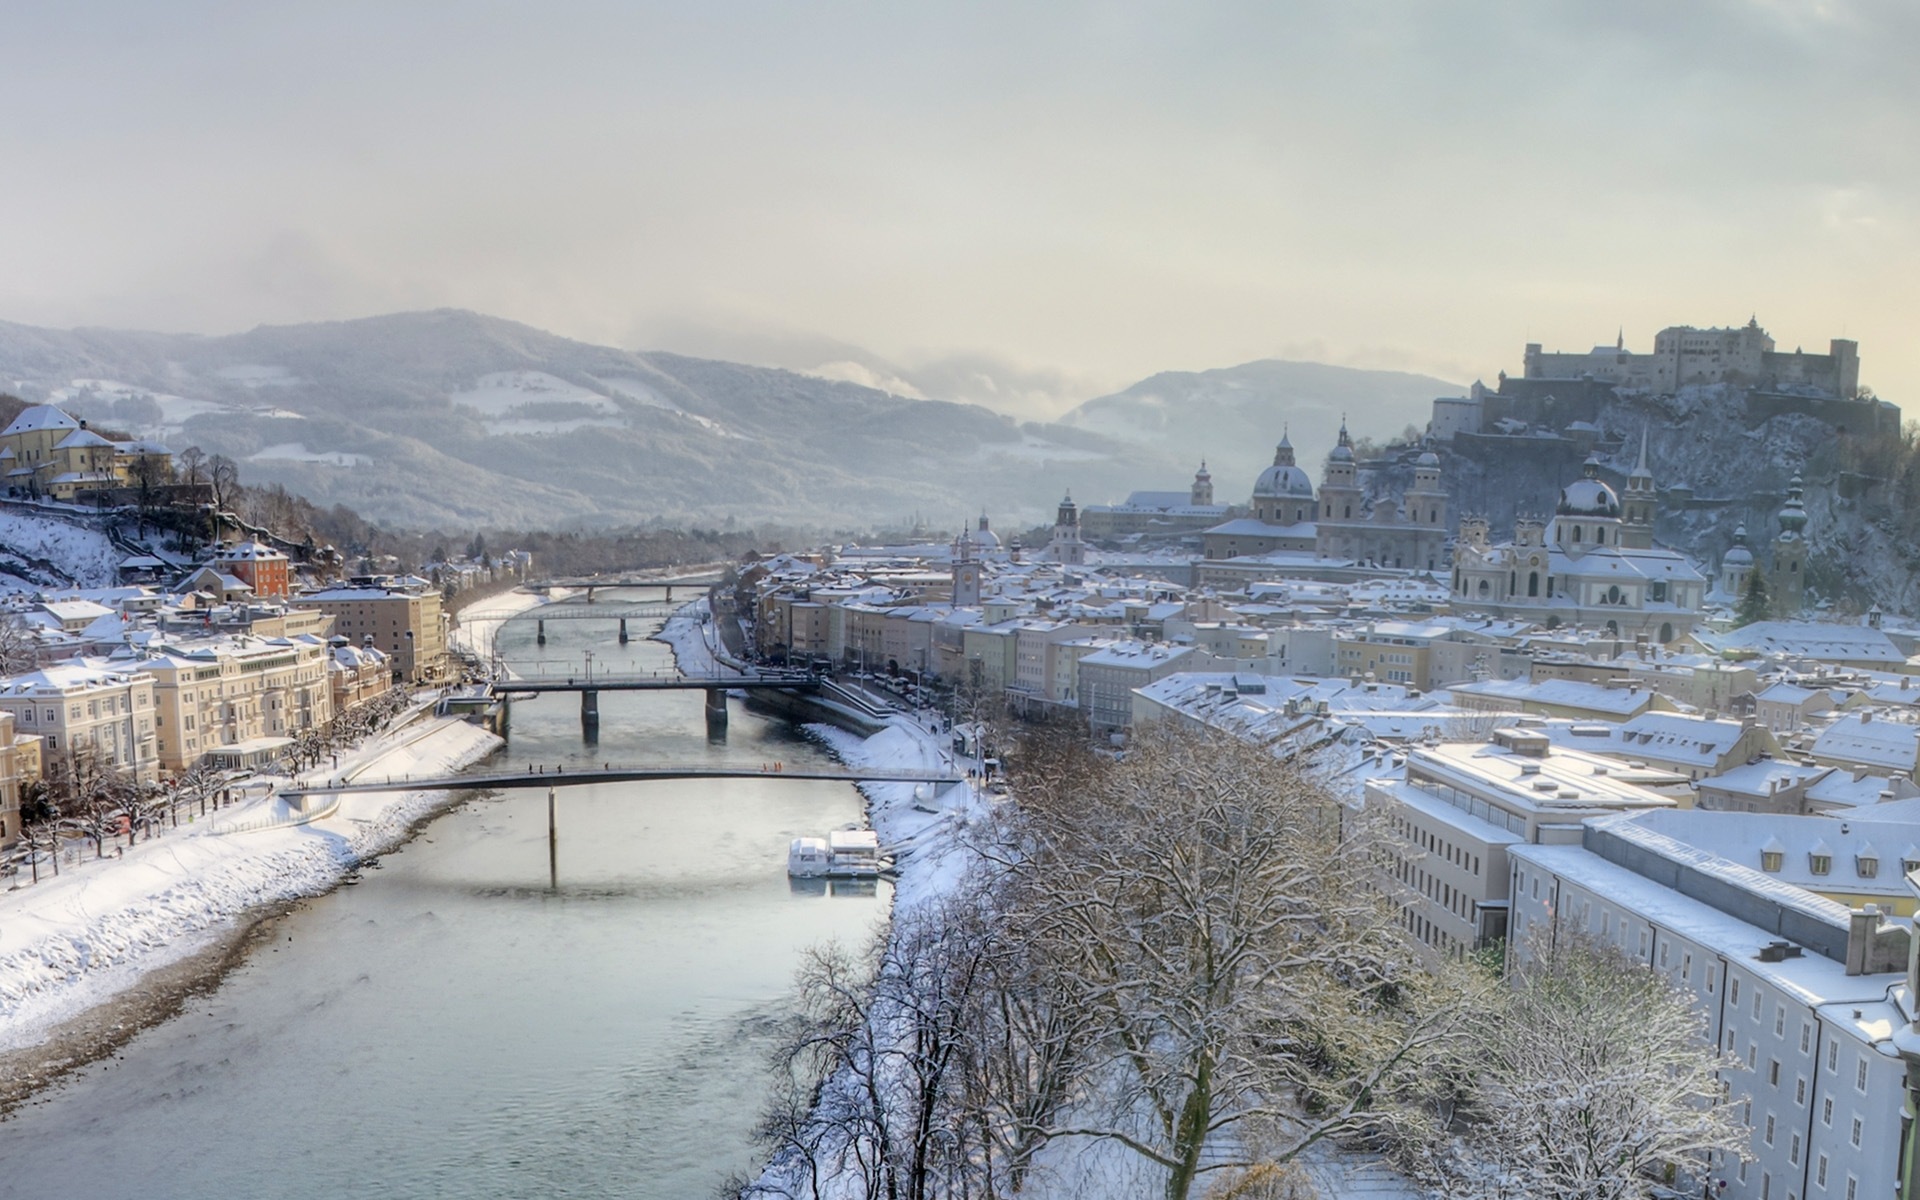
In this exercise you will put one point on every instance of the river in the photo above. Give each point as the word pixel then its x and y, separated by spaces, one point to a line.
pixel 453 1026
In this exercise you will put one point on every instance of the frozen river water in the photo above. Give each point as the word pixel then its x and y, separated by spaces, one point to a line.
pixel 454 1027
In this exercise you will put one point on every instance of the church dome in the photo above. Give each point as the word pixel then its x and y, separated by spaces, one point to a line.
pixel 985 538
pixel 1738 555
pixel 1283 481
pixel 1588 496
pixel 1427 459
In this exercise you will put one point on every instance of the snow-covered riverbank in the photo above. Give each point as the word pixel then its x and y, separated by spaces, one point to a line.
pixel 76 941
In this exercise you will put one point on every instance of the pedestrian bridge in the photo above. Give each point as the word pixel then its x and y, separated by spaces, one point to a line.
pixel 661 682
pixel 564 775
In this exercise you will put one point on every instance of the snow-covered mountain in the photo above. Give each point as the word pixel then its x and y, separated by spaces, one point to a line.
pixel 1233 416
pixel 452 418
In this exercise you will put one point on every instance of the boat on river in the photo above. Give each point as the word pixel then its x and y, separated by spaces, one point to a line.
pixel 842 854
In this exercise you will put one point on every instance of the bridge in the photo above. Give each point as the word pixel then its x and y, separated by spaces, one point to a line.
pixel 785 680
pixel 565 776
pixel 590 583
pixel 715 686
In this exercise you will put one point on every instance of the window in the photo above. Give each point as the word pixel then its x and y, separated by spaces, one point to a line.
pixel 1860 1076
pixel 1771 860
pixel 1793 1150
pixel 1780 1021
pixel 1733 991
pixel 1820 864
pixel 1800 1090
pixel 1855 1136
pixel 1773 1073
pixel 1806 1036
pixel 1826 1111
pixel 1833 1056
pixel 1867 866
pixel 1820 1171
pixel 1769 1129
pixel 1756 1005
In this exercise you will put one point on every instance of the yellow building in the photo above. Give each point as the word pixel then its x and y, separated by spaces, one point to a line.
pixel 238 702
pixel 46 452
pixel 13 773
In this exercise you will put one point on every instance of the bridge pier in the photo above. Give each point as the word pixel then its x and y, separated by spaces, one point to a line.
pixel 717 713
pixel 540 629
pixel 553 843
pixel 623 631
pixel 590 711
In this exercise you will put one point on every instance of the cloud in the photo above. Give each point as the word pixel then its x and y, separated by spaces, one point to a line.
pixel 959 193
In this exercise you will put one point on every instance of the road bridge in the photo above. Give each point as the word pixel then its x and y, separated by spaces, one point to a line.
pixel 715 686
pixel 565 776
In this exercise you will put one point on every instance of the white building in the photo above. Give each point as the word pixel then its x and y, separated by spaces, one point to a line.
pixel 1806 993
pixel 88 704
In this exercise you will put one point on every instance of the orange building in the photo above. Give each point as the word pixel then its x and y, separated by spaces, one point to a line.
pixel 261 568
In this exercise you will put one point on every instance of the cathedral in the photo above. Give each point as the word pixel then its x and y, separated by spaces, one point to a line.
pixel 1594 564
pixel 1340 523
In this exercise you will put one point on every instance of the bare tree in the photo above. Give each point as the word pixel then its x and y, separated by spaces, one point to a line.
pixel 92 795
pixel 1219 923
pixel 1590 1079
pixel 19 649
pixel 40 823
pixel 224 474
pixel 874 1072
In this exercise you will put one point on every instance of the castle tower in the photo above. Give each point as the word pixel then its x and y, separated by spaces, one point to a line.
pixel 1787 582
pixel 1066 546
pixel 1639 503
pixel 1202 494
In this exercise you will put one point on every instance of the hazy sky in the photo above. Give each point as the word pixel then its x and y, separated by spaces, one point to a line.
pixel 1088 193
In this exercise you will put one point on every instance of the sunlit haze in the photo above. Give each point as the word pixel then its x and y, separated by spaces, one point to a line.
pixel 1057 199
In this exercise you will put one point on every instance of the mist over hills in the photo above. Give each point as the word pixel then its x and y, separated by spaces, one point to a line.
pixel 450 418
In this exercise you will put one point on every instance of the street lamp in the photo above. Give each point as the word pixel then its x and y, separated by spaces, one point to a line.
pixel 588 656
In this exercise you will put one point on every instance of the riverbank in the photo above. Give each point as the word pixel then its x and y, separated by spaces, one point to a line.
pixel 107 948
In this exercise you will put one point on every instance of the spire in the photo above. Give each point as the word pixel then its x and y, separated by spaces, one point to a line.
pixel 1344 439
pixel 1642 477
pixel 1620 339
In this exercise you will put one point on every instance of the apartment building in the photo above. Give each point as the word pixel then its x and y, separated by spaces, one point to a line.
pixel 105 706
pixel 408 627
pixel 1462 808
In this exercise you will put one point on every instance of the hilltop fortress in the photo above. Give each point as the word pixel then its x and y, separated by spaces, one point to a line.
pixel 1560 390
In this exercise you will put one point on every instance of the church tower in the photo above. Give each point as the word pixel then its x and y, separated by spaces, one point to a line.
pixel 1788 579
pixel 1736 566
pixel 966 572
pixel 1639 503
pixel 1066 546
pixel 1340 498
pixel 1202 495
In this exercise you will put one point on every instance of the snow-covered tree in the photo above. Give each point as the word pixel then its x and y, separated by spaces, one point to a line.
pixel 1214 914
pixel 1589 1079
pixel 19 651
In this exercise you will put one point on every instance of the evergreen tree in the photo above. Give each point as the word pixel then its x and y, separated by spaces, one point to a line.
pixel 1753 605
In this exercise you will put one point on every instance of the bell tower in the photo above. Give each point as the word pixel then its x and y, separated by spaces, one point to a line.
pixel 1788 581
pixel 1638 503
